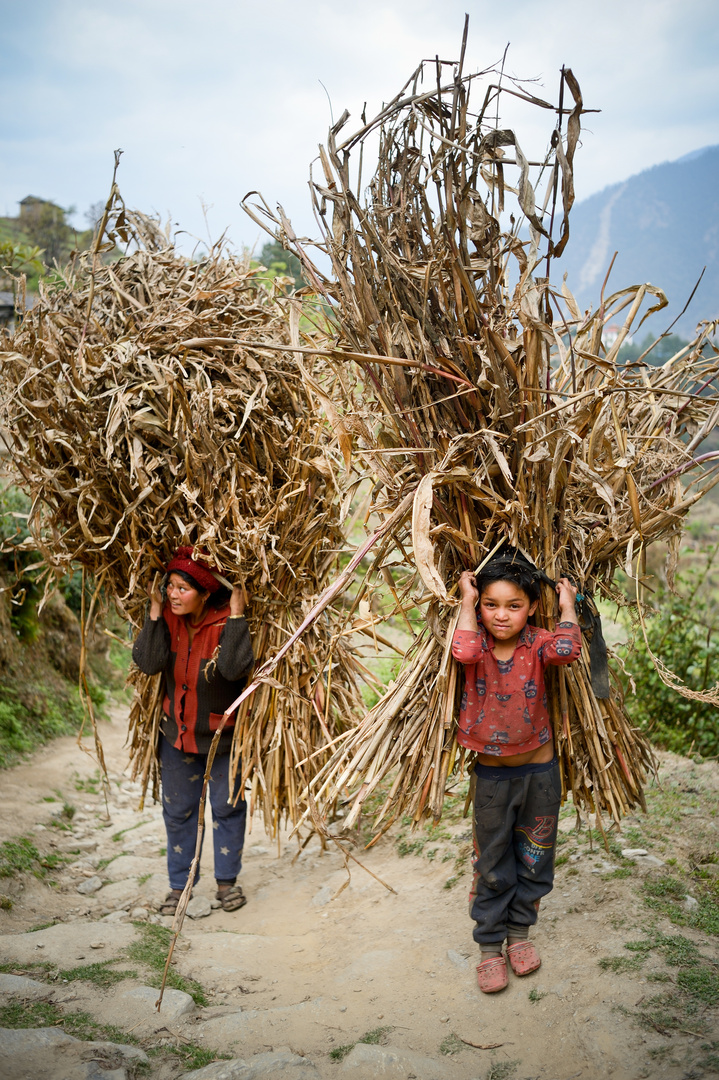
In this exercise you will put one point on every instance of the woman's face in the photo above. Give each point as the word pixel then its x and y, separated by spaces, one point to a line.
pixel 184 600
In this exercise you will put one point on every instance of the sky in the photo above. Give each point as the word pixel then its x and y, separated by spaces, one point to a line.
pixel 210 99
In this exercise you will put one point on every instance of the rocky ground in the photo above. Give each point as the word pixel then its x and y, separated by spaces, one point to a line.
pixel 309 983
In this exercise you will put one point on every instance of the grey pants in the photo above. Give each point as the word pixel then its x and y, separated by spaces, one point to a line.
pixel 515 831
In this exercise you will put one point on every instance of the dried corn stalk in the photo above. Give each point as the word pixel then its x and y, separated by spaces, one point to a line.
pixel 137 423
pixel 464 376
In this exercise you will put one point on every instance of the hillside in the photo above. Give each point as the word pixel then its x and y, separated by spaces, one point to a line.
pixel 664 222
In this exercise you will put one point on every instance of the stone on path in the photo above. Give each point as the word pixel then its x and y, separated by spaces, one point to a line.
pixel 322 897
pixel 283 1025
pixel 280 1065
pixel 141 1000
pixel 118 916
pixel 457 959
pixel 85 845
pixel 63 941
pixel 49 1053
pixel 199 907
pixel 90 885
pixel 28 988
pixel 130 866
pixel 366 1061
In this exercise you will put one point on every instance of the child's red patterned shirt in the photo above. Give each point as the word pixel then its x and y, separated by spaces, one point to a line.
pixel 504 704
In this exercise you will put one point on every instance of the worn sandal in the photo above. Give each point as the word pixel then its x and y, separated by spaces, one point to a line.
pixel 492 975
pixel 169 905
pixel 231 898
pixel 523 957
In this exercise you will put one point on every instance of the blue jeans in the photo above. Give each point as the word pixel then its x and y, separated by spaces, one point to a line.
pixel 182 776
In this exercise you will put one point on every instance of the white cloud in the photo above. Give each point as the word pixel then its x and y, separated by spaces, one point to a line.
pixel 209 100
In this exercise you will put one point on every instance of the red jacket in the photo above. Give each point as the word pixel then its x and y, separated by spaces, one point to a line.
pixel 504 705
pixel 201 680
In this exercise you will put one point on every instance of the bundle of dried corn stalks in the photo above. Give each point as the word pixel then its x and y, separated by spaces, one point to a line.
pixel 137 423
pixel 472 383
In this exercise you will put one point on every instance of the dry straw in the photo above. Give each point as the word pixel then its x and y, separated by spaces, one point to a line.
pixel 137 423
pixel 157 400
pixel 481 399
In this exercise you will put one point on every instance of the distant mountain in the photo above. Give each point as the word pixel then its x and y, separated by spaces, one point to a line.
pixel 664 223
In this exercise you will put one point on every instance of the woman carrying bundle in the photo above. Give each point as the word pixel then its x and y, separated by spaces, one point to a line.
pixel 199 638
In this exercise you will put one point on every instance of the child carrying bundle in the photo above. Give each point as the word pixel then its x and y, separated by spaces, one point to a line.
pixel 516 785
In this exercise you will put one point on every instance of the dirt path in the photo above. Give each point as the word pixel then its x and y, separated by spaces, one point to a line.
pixel 297 974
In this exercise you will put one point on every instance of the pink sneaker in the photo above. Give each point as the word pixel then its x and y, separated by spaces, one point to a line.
pixel 523 957
pixel 492 975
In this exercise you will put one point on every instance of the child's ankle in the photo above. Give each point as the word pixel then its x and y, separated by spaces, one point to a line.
pixel 516 934
pixel 490 950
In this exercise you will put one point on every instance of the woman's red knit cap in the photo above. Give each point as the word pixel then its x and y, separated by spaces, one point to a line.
pixel 184 559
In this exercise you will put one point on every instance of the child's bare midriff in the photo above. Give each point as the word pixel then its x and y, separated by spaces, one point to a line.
pixel 540 754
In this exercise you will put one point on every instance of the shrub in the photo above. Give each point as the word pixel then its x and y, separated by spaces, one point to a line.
pixel 683 633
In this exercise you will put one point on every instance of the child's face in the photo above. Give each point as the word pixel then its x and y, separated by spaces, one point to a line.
pixel 504 609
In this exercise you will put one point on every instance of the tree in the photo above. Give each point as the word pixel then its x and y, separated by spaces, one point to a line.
pixel 665 348
pixel 278 261
pixel 45 225
pixel 93 214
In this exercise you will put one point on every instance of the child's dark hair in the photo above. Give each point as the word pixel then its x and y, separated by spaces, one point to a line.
pixel 218 599
pixel 516 570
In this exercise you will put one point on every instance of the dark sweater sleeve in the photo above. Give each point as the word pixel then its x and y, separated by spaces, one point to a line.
pixel 151 651
pixel 235 657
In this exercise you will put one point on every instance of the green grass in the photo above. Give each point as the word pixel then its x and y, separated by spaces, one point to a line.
pixel 339 1053
pixel 31 714
pixel 692 982
pixel 39 970
pixel 20 856
pixel 620 964
pixel 117 837
pixel 452 1044
pixel 665 894
pixel 82 1026
pixel 28 1014
pixel 189 1055
pixel 536 995
pixel 100 974
pixel 502 1070
pixel 33 1014
pixel 89 785
pixel 150 949
pixel 377 1036
pixel 618 873
pixel 701 984
pixel 409 847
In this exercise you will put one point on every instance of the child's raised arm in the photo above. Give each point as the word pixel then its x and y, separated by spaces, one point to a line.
pixel 567 601
pixel 469 597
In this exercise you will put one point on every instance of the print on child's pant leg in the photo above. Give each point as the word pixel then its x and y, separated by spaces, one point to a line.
pixel 534 842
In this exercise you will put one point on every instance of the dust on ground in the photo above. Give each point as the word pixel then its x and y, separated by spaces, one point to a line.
pixel 363 981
